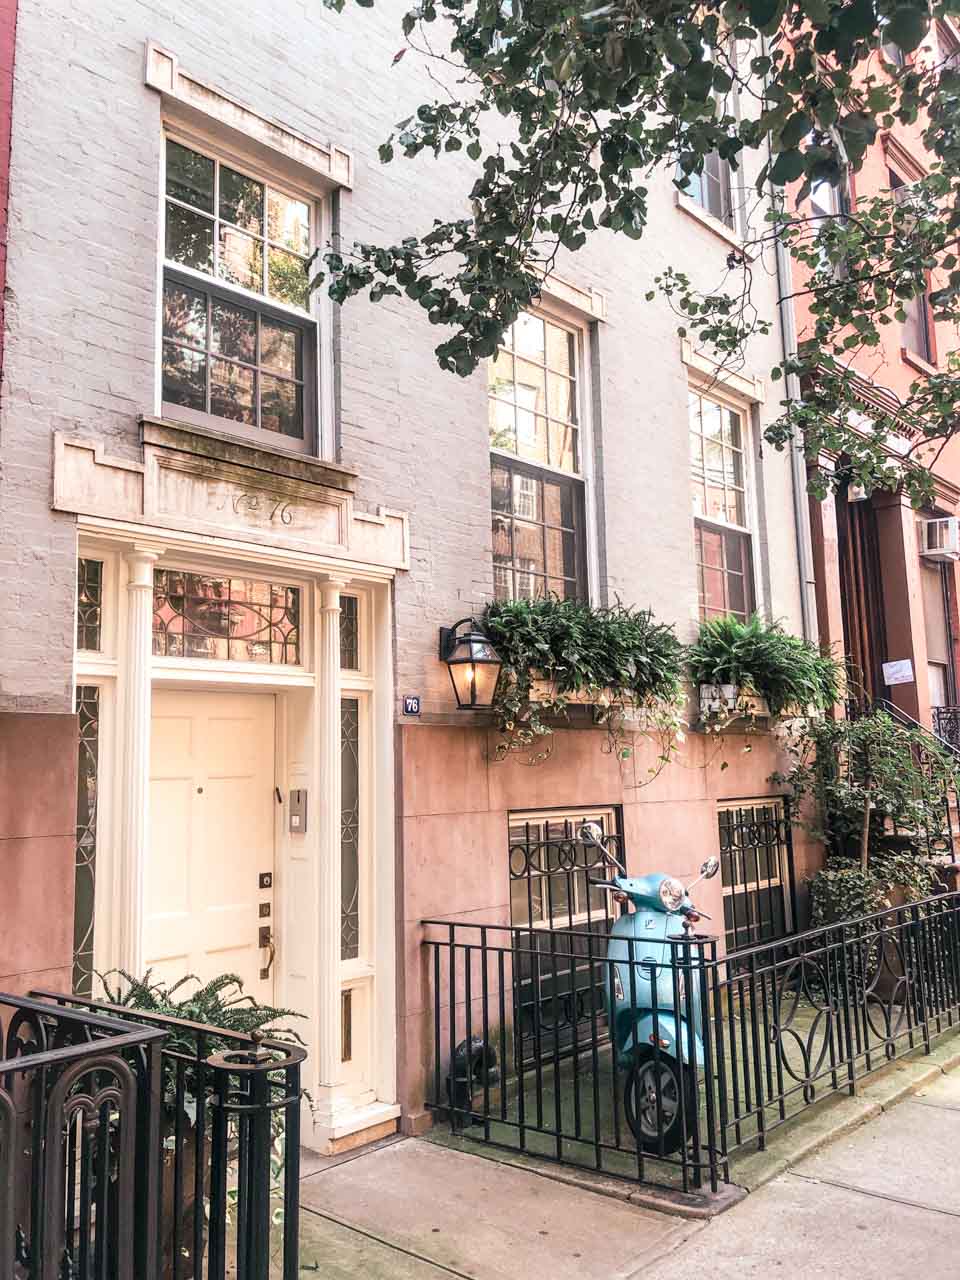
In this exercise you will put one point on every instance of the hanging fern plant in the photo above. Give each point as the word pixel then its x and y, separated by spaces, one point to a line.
pixel 620 659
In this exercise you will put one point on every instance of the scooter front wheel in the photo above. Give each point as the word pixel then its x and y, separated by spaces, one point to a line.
pixel 652 1096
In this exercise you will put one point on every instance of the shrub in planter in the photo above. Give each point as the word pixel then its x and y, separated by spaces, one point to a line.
pixel 218 1003
pixel 622 659
pixel 759 660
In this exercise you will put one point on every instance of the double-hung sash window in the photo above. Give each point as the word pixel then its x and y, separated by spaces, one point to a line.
pixel 711 189
pixel 537 489
pixel 916 329
pixel 720 509
pixel 239 343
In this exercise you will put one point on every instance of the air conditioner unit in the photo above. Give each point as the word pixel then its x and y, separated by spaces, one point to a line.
pixel 941 539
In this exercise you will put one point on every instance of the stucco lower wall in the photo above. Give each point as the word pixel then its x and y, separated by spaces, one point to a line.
pixel 38 805
pixel 454 803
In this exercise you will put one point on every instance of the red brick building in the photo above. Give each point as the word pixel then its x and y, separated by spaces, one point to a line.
pixel 885 594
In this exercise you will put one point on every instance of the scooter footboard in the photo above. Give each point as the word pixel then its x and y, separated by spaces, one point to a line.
pixel 641 1039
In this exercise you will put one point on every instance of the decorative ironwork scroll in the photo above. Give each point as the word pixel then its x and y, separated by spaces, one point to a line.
pixel 230 619
pixel 89 603
pixel 350 829
pixel 349 633
pixel 88 711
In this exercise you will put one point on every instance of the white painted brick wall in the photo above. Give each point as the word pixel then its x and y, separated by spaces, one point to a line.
pixel 80 351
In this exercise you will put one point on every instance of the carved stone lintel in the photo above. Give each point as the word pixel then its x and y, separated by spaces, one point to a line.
pixel 198 482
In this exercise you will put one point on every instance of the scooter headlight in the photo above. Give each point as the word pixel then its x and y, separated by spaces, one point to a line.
pixel 672 893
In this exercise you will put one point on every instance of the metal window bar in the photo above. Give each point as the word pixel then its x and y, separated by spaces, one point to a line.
pixel 757 870
pixel 558 993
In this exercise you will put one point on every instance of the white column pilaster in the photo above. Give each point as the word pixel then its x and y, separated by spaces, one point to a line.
pixel 328 849
pixel 135 755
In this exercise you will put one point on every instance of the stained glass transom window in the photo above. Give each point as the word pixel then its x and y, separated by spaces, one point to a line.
pixel 350 829
pixel 89 603
pixel 229 619
pixel 350 633
pixel 88 711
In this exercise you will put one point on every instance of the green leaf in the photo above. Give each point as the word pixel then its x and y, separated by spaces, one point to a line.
pixel 787 167
pixel 676 50
pixel 762 11
pixel 795 130
pixel 907 28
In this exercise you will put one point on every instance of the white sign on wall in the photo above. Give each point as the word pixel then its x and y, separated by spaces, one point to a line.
pixel 899 672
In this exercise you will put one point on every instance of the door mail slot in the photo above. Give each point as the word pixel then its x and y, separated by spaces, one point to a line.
pixel 298 812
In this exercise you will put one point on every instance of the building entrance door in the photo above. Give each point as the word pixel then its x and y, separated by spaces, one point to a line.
pixel 208 883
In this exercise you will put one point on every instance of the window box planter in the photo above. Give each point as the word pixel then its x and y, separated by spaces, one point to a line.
pixel 722 703
pixel 544 690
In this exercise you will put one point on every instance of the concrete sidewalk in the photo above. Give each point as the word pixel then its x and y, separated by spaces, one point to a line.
pixel 413 1210
pixel 884 1199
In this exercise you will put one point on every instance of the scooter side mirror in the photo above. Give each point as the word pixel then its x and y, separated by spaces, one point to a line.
pixel 708 870
pixel 591 833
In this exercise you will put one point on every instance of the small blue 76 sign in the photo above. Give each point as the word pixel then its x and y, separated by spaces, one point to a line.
pixel 411 704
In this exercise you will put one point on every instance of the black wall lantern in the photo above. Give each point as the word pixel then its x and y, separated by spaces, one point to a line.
pixel 474 665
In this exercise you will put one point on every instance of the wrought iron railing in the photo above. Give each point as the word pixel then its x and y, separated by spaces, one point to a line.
pixel 79 1119
pixel 550 889
pixel 946 725
pixel 220 1166
pixel 773 1030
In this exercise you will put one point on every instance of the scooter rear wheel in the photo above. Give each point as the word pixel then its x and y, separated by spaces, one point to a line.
pixel 652 1095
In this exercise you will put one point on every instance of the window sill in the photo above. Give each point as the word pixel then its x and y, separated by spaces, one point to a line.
pixel 260 454
pixel 224 429
pixel 918 362
pixel 690 207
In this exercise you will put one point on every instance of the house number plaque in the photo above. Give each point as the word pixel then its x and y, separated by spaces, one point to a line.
pixel 277 510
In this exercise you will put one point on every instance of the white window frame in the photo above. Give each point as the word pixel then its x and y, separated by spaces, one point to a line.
pixel 718 394
pixel 319 388
pixel 574 322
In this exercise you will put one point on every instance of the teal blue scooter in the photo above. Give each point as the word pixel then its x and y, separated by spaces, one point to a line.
pixel 651 1037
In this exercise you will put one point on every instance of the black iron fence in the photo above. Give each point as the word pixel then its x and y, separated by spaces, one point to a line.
pixel 706 1055
pixel 79 1117
pixel 170 1149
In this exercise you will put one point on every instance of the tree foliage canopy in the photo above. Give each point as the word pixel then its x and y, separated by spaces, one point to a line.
pixel 596 97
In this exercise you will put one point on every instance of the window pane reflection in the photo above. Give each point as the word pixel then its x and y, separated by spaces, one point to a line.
pixel 230 619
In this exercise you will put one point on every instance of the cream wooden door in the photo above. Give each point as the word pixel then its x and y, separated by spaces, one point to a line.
pixel 212 813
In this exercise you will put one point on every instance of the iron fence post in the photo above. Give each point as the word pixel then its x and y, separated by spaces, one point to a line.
pixel 250 1104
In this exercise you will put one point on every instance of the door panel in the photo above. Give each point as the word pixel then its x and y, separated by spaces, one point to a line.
pixel 211 836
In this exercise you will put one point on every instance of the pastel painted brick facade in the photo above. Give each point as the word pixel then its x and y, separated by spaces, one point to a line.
pixel 82 313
